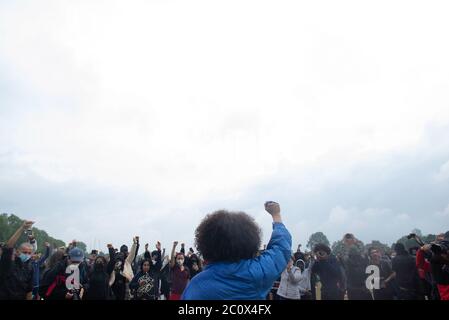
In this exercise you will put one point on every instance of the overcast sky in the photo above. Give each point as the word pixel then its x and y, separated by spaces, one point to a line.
pixel 120 118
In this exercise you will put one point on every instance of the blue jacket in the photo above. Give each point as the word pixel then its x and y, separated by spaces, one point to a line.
pixel 36 270
pixel 247 279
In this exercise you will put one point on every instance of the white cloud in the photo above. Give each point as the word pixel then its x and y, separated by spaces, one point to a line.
pixel 199 100
pixel 443 172
pixel 444 213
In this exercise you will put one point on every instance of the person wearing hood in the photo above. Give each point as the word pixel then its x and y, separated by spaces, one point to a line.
pixel 123 273
pixel 98 287
pixel 16 273
pixel 290 284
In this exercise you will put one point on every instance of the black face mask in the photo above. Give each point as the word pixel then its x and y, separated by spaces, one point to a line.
pixel 99 266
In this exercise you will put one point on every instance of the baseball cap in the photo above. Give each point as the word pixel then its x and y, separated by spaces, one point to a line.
pixel 76 255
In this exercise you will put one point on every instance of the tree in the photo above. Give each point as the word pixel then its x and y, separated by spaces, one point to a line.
pixel 339 249
pixel 81 245
pixel 10 223
pixel 315 238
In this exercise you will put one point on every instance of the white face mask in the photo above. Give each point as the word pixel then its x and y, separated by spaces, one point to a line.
pixel 180 262
pixel 154 262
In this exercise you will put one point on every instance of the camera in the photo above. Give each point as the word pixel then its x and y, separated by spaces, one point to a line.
pixel 440 247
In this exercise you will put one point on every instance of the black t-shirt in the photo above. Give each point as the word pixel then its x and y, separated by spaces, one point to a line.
pixel 405 268
pixel 440 271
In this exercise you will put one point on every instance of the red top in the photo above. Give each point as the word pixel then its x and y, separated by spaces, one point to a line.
pixel 179 279
pixel 422 264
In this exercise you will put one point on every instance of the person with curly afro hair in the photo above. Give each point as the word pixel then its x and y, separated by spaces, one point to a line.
pixel 235 270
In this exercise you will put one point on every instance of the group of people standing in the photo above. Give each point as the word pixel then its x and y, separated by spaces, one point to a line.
pixel 372 274
pixel 228 265
pixel 68 273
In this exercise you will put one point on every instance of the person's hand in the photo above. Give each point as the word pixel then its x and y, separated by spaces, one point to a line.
pixel 141 282
pixel 136 239
pixel 146 246
pixel 47 245
pixel 274 209
pixel 69 295
pixel 158 245
pixel 426 247
pixel 182 245
pixel 27 224
pixel 109 245
pixel 175 244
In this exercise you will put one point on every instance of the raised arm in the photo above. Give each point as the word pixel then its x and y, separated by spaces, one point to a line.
pixel 137 249
pixel 111 263
pixel 274 259
pixel 172 256
pixel 15 237
pixel 46 254
pixel 146 254
pixel 132 252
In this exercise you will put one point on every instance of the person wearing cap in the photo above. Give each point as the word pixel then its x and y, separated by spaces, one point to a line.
pixel 74 268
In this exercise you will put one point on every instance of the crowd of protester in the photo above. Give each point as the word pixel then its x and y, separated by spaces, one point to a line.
pixel 227 265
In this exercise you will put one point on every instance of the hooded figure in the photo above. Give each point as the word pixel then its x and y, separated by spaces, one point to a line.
pixel 98 286
pixel 123 272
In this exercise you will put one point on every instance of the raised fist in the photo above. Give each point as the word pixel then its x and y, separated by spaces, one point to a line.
pixel 272 207
pixel 27 224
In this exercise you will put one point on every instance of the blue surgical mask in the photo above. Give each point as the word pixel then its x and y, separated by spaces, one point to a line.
pixel 24 257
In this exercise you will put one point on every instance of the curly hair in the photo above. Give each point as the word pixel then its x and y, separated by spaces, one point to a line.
pixel 224 236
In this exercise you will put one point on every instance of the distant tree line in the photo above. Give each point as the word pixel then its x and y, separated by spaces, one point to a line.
pixel 9 223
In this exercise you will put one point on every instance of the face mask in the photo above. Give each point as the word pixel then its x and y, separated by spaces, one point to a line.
pixel 24 257
pixel 154 262
pixel 180 262
pixel 99 266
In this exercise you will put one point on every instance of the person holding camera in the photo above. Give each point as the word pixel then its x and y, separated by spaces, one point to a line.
pixel 229 243
pixel 439 264
pixel 16 272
